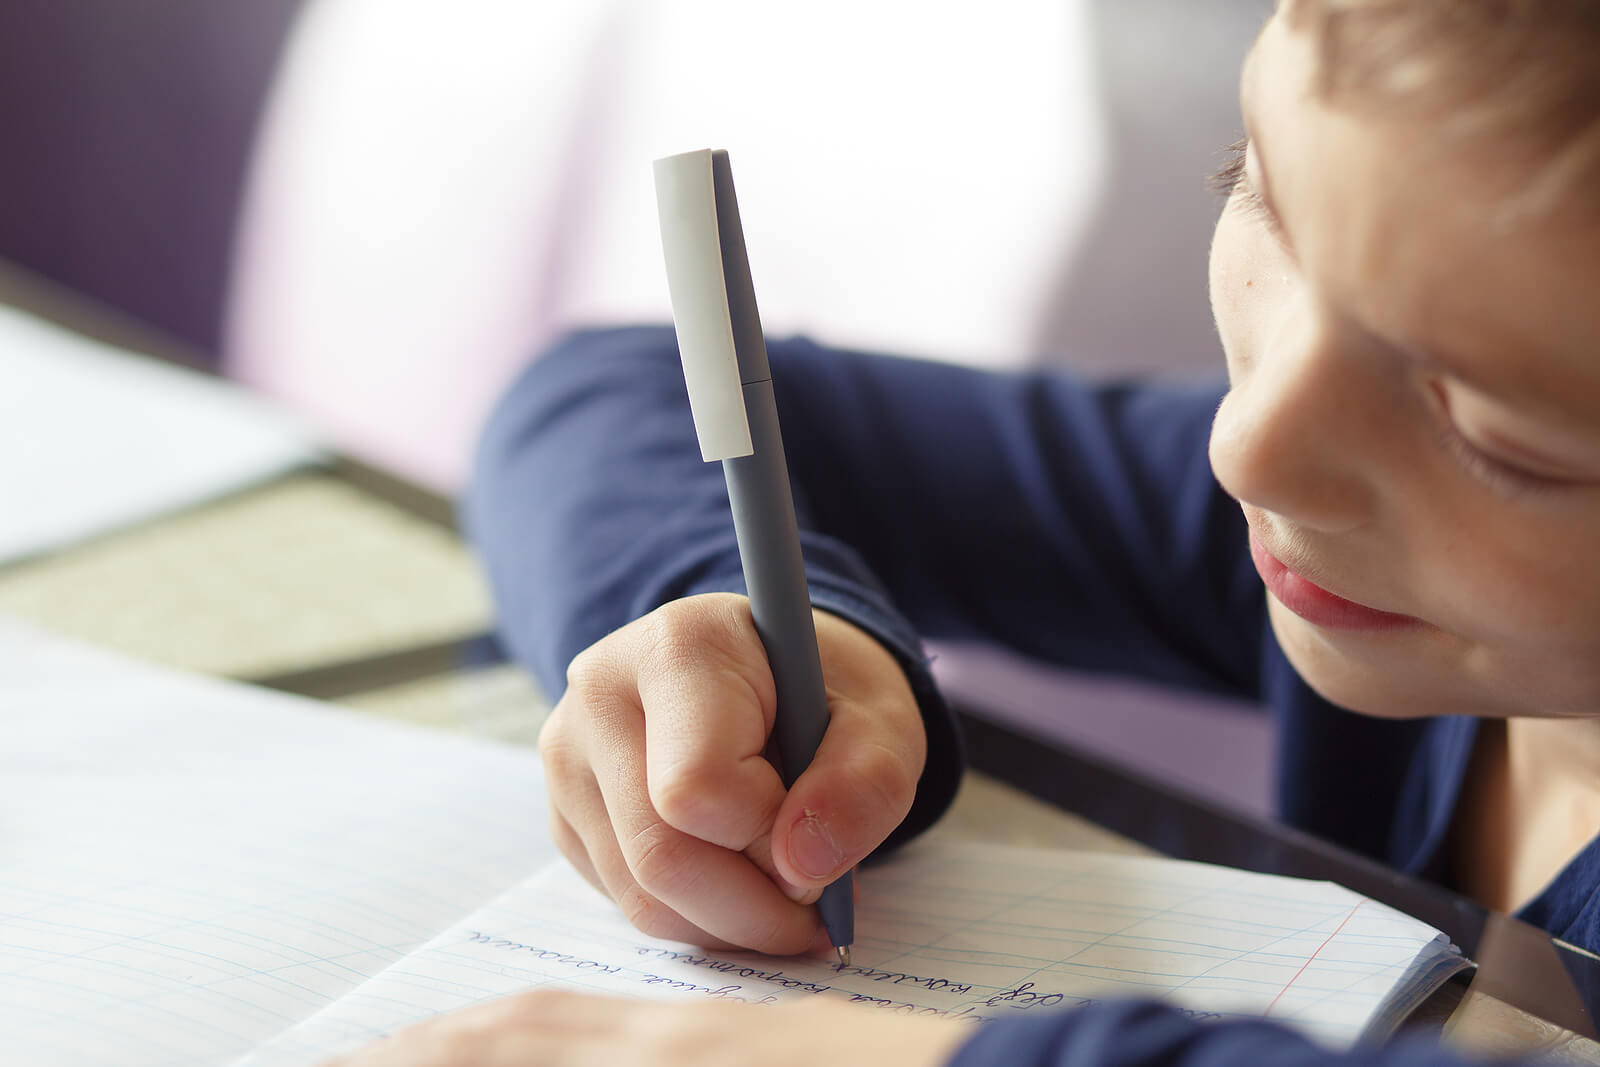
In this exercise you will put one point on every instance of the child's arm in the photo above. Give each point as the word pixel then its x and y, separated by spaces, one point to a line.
pixel 1077 525
pixel 600 525
pixel 1080 525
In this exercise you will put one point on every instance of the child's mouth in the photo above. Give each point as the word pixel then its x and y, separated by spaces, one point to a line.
pixel 1315 604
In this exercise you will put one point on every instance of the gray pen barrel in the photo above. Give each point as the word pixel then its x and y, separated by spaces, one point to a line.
pixel 774 572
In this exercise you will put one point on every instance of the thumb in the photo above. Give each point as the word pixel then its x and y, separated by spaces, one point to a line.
pixel 857 790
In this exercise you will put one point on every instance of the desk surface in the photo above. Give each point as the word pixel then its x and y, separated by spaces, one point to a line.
pixel 306 571
pixel 339 583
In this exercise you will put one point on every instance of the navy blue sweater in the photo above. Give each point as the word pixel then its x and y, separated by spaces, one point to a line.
pixel 1076 524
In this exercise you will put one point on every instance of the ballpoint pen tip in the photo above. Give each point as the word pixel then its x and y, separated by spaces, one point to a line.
pixel 844 955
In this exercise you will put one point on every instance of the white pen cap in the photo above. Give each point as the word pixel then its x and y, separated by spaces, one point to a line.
pixel 686 198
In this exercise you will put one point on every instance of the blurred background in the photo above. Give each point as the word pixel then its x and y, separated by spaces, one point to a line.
pixel 373 211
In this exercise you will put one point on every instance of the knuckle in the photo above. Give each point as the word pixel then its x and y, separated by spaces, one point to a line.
pixel 686 795
pixel 904 724
pixel 659 858
pixel 686 632
pixel 600 703
pixel 565 765
pixel 555 739
pixel 885 776
pixel 593 673
pixel 699 799
pixel 647 914
pixel 708 653
pixel 669 642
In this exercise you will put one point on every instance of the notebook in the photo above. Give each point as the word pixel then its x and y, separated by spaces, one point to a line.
pixel 959 930
pixel 204 873
pixel 97 438
pixel 188 867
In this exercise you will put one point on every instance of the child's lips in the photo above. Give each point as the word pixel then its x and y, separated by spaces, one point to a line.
pixel 1315 604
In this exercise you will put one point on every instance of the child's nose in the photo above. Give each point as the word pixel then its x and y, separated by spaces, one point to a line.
pixel 1295 436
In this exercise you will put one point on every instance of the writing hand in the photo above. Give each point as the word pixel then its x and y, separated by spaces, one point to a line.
pixel 662 798
pixel 548 1028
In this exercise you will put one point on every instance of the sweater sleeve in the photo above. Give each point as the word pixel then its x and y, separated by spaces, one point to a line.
pixel 1150 1034
pixel 1075 524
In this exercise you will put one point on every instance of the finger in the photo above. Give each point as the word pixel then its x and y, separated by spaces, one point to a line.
pixel 709 697
pixel 564 1010
pixel 603 742
pixel 675 875
pixel 716 889
pixel 603 865
pixel 573 848
pixel 857 790
pixel 581 828
pixel 567 778
pixel 672 875
pixel 711 702
pixel 523 1030
pixel 558 1011
pixel 759 852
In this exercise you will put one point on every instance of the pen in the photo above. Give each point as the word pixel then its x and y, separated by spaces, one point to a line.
pixel 736 420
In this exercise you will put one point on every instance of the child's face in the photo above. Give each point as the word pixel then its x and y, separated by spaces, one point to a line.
pixel 1414 421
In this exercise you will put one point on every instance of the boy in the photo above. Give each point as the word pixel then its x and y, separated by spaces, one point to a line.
pixel 1407 457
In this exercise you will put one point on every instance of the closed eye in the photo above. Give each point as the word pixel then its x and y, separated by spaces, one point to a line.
pixel 1498 473
pixel 1232 180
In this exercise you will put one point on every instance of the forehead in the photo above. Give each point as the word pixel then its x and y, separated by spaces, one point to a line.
pixel 1404 229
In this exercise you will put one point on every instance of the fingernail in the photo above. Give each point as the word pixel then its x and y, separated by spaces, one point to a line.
pixel 811 848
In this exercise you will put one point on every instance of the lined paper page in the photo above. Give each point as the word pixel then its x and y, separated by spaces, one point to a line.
pixel 189 867
pixel 96 437
pixel 974 932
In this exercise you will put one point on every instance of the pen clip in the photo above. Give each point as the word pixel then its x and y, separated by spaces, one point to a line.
pixel 686 199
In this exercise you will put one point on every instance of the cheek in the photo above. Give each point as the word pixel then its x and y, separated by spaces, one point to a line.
pixel 1525 585
pixel 1239 301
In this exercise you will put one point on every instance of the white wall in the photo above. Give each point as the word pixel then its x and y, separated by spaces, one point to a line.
pixel 439 189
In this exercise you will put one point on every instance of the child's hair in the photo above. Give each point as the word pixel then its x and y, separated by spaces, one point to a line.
pixel 1525 73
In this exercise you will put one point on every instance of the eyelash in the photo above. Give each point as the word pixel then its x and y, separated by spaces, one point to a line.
pixel 1231 173
pixel 1507 478
pixel 1495 473
pixel 1232 179
pixel 1482 466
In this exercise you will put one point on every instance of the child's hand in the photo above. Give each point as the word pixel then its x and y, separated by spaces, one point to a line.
pixel 662 798
pixel 549 1028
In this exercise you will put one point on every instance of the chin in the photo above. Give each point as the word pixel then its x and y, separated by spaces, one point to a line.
pixel 1382 675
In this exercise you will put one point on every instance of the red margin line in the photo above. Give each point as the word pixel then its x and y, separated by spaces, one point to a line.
pixel 1313 956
